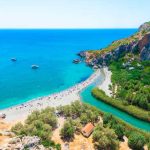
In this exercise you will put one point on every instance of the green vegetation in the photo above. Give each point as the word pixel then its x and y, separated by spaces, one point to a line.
pixel 130 109
pixel 105 138
pixel 148 145
pixel 130 77
pixel 41 124
pixel 68 130
pixel 136 141
pixel 84 113
pixel 125 129
pixel 119 130
pixel 137 137
pixel 77 110
pixel 133 86
pixel 77 116
pixel 148 22
pixel 130 88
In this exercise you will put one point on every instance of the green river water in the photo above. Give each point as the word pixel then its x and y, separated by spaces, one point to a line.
pixel 88 98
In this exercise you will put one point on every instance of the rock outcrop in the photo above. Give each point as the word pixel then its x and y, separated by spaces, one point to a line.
pixel 26 142
pixel 144 47
pixel 145 27
pixel 136 44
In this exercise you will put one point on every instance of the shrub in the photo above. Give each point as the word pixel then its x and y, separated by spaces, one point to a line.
pixel 136 141
pixel 105 138
pixel 148 145
pixel 126 129
pixel 68 130
pixel 119 130
pixel 107 117
pixel 18 128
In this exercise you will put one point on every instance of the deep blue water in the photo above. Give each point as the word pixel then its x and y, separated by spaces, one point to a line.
pixel 53 51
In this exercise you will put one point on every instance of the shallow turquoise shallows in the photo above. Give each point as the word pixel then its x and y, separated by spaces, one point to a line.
pixel 88 98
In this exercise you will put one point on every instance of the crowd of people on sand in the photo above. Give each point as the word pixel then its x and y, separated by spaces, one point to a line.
pixel 72 93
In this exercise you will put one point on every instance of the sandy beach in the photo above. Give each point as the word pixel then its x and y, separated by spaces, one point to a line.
pixel 107 81
pixel 20 112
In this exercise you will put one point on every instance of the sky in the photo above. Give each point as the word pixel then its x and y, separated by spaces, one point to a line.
pixel 73 13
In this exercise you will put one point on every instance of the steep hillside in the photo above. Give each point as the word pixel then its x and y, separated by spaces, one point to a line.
pixel 129 61
pixel 138 44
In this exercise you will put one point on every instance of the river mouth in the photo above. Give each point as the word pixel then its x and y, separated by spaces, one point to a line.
pixel 87 97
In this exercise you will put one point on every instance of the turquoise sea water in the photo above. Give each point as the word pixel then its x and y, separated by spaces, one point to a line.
pixel 53 51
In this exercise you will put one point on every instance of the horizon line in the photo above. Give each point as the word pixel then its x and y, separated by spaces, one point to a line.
pixel 62 28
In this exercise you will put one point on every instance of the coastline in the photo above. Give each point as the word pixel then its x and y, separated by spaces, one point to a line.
pixel 20 112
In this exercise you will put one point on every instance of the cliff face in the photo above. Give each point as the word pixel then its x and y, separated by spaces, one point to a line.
pixel 144 47
pixel 138 44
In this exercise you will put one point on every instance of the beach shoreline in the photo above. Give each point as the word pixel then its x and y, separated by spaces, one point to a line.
pixel 20 112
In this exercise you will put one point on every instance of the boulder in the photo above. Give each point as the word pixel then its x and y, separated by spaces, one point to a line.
pixel 8 133
pixel 15 140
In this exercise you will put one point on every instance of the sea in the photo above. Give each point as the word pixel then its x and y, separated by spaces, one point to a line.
pixel 53 50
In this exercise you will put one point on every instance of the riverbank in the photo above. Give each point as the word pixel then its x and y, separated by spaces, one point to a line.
pixel 130 109
pixel 103 93
pixel 20 112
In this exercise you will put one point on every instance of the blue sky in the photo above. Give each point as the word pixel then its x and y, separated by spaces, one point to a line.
pixel 73 13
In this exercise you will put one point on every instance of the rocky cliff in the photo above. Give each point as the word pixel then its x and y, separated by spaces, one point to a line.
pixel 137 44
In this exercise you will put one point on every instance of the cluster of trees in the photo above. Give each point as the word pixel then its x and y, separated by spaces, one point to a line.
pixel 110 121
pixel 39 123
pixel 77 115
pixel 135 94
pixel 133 85
pixel 136 140
pixel 105 138
pixel 83 112
pixel 68 130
